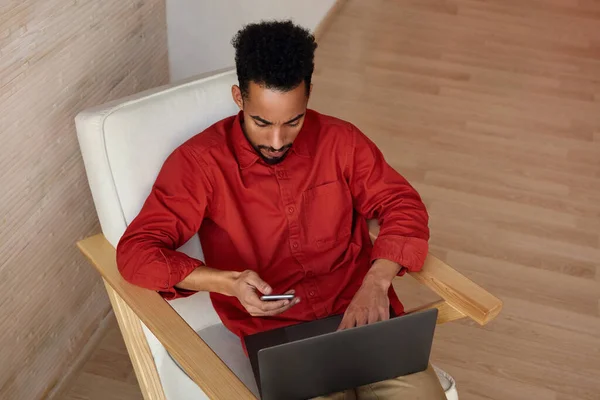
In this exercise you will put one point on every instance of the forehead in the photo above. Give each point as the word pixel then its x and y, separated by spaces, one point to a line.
pixel 275 105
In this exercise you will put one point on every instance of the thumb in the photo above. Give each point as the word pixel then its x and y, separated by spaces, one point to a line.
pixel 254 280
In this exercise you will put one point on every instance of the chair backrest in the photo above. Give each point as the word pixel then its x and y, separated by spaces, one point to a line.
pixel 124 143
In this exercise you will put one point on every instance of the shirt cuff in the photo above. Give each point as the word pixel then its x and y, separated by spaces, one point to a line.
pixel 173 293
pixel 409 252
pixel 179 265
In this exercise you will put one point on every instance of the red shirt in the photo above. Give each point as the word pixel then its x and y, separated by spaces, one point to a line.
pixel 300 224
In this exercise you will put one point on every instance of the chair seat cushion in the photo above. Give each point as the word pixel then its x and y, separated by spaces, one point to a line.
pixel 176 383
pixel 229 349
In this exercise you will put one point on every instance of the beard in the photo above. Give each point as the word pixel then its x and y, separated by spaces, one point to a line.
pixel 272 161
pixel 258 148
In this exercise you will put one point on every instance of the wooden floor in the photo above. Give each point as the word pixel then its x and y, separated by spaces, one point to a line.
pixel 108 374
pixel 492 110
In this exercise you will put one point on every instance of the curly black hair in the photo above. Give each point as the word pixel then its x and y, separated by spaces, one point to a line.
pixel 277 54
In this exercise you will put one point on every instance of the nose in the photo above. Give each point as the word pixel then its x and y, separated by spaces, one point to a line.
pixel 277 141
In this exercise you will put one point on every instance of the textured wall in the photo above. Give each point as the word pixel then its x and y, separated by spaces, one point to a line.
pixel 200 31
pixel 58 57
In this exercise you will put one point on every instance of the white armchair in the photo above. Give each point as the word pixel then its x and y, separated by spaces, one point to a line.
pixel 124 144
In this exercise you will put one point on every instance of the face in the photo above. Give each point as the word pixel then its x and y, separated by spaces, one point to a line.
pixel 272 119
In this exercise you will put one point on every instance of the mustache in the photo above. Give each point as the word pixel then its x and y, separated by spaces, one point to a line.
pixel 272 149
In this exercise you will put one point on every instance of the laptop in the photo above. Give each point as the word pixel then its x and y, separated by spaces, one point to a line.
pixel 313 359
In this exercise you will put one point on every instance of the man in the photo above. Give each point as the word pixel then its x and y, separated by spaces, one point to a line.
pixel 280 195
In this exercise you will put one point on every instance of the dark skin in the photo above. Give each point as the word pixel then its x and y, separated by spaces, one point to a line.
pixel 272 120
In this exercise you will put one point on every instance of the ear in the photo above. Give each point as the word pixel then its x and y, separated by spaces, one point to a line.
pixel 236 93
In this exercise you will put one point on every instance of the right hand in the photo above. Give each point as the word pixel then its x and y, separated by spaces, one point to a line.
pixel 245 288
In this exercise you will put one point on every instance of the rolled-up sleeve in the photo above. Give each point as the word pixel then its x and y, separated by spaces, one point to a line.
pixel 379 192
pixel 147 253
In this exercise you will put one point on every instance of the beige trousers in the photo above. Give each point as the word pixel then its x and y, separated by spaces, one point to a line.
pixel 420 386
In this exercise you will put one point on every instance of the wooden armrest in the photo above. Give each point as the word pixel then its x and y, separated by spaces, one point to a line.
pixel 198 360
pixel 457 290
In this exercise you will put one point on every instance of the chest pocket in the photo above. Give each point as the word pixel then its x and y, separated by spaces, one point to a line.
pixel 327 213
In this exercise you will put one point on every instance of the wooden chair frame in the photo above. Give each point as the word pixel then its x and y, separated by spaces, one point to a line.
pixel 133 305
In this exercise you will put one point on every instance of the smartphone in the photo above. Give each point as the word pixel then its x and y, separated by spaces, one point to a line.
pixel 273 297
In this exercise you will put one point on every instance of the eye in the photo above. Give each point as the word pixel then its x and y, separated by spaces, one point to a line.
pixel 294 124
pixel 260 125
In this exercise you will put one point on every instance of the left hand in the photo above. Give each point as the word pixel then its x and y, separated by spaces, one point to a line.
pixel 371 302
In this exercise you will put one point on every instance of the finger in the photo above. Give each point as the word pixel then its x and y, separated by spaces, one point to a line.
pixel 255 281
pixel 253 311
pixel 282 309
pixel 279 310
pixel 342 324
pixel 265 308
pixel 386 313
pixel 268 306
pixel 250 298
pixel 362 319
pixel 347 321
pixel 374 316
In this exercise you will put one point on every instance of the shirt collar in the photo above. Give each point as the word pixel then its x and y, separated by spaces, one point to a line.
pixel 242 149
pixel 303 146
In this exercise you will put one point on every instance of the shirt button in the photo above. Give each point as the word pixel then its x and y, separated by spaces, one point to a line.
pixel 311 293
pixel 291 210
pixel 280 174
pixel 295 245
